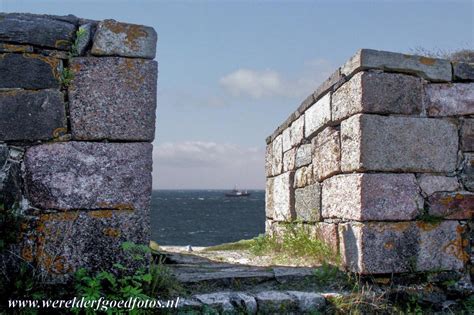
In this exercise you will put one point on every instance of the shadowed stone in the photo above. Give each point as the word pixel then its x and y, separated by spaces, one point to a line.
pixel 11 177
pixel 219 301
pixel 277 155
pixel 401 247
pixel 454 206
pixel 61 243
pixel 308 203
pixel 309 301
pixel 268 160
pixel 121 106
pixel 275 302
pixel 326 232
pixel 463 71
pixel 378 92
pixel 452 99
pixel 113 38
pixel 84 40
pixel 86 175
pixel 303 155
pixel 437 70
pixel 39 30
pixel 32 115
pixel 283 197
pixel 467 135
pixel 379 143
pixel 269 204
pixel 327 153
pixel 29 71
pixel 317 115
pixel 430 184
pixel 371 197
pixel 467 172
pixel 12 48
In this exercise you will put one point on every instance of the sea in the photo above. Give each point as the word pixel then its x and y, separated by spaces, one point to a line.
pixel 205 217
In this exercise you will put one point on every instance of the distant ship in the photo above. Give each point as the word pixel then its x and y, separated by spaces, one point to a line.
pixel 237 193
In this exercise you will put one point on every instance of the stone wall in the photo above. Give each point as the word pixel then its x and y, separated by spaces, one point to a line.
pixel 379 163
pixel 77 101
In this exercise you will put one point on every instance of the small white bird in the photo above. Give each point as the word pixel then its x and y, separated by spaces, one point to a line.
pixel 189 248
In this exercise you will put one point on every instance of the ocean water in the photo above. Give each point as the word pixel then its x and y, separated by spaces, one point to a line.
pixel 205 217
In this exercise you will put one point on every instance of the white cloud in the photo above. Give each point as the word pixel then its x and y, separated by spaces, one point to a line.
pixel 258 84
pixel 200 164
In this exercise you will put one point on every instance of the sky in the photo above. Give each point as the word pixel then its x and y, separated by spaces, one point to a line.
pixel 231 71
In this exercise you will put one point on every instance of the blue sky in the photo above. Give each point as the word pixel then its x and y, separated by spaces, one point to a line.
pixel 231 71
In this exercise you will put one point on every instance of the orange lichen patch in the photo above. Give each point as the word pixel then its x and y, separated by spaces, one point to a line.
pixel 59 132
pixel 427 226
pixel 16 48
pixel 59 216
pixel 457 247
pixel 75 67
pixel 427 61
pixel 52 62
pixel 27 253
pixel 130 70
pixel 382 280
pixel 61 43
pixel 111 232
pixel 389 245
pixel 132 32
pixel 60 266
pixel 117 206
pixel 100 214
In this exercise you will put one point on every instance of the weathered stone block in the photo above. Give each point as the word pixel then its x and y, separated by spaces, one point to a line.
pixel 454 206
pixel 32 115
pixel 309 302
pixel 39 30
pixel 289 160
pixel 277 155
pixel 371 197
pixel 120 107
pixel 452 99
pixel 87 175
pixel 463 71
pixel 467 172
pixel 269 205
pixel 293 135
pixel 61 243
pixel 303 176
pixel 327 153
pixel 380 93
pixel 430 184
pixel 13 48
pixel 275 302
pixel 308 203
pixel 29 71
pixel 268 160
pixel 381 247
pixel 379 143
pixel 437 70
pixel 303 155
pixel 113 38
pixel 328 233
pixel 317 115
pixel 283 197
pixel 467 135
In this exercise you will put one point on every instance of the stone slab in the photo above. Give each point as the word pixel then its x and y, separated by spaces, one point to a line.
pixel 384 248
pixel 380 143
pixel 303 176
pixel 283 197
pixel 269 204
pixel 275 302
pixel 303 155
pixel 113 38
pixel 268 160
pixel 277 156
pixel 89 175
pixel 467 171
pixel 32 115
pixel 467 135
pixel 308 203
pixel 436 70
pixel 61 243
pixel 113 98
pixel 309 301
pixel 463 71
pixel 430 183
pixel 317 116
pixel 294 134
pixel 453 206
pixel 371 197
pixel 380 93
pixel 453 99
pixel 39 30
pixel 289 160
pixel 326 153
pixel 29 71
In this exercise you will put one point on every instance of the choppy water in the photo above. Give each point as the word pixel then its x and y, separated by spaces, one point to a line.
pixel 205 217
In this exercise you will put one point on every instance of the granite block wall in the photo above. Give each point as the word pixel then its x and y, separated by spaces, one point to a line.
pixel 379 159
pixel 77 101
